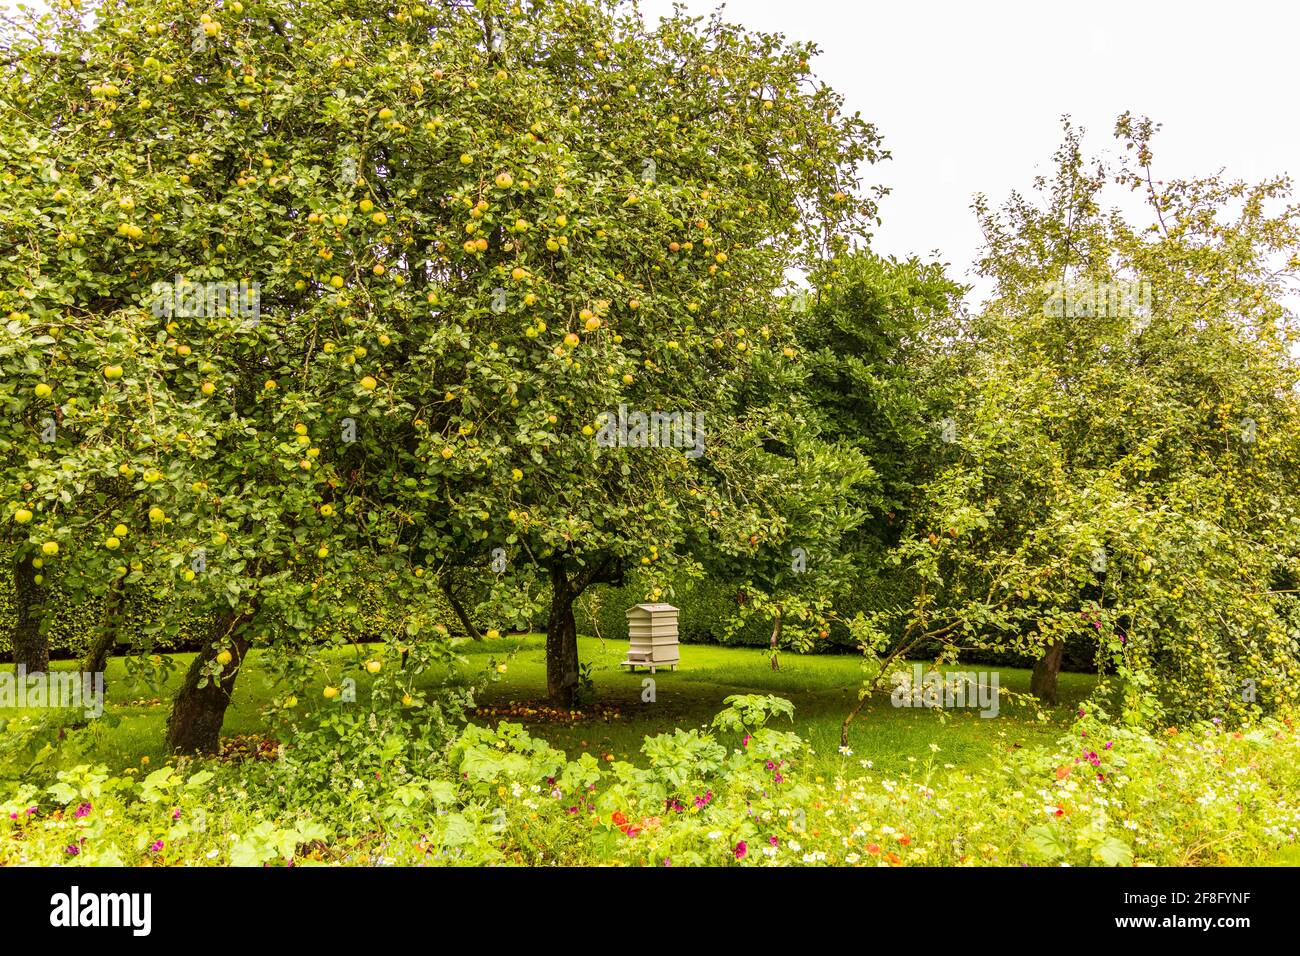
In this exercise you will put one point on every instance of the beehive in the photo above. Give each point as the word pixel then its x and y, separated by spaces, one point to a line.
pixel 652 637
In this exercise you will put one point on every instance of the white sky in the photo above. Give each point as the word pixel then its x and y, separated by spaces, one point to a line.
pixel 968 95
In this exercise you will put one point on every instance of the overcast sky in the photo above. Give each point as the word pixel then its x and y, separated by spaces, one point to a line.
pixel 968 95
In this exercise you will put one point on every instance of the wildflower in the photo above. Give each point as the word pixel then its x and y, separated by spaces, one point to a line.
pixel 873 848
pixel 846 751
pixel 156 846
pixel 741 849
pixel 176 814
pixel 745 742
pixel 618 818
pixel 72 849
pixel 83 811
pixel 773 840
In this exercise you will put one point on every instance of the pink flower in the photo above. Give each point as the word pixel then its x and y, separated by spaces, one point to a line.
pixel 72 849
pixel 83 811
pixel 741 849
pixel 773 840
pixel 156 846
pixel 176 814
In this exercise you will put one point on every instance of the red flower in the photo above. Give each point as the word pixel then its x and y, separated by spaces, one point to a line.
pixel 741 849
pixel 873 848
pixel 619 819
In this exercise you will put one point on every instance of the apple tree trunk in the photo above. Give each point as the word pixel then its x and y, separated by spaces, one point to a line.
pixel 30 645
pixel 1048 667
pixel 96 659
pixel 561 642
pixel 200 706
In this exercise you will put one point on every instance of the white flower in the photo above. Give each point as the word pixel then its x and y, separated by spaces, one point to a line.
pixel 846 751
pixel 714 834
pixel 852 858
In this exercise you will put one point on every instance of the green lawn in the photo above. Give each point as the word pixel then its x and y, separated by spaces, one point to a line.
pixel 822 688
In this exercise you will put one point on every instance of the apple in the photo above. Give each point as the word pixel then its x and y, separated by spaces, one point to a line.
pixel 369 384
pixel 327 510
pixel 43 391
pixel 571 340
pixel 112 544
pixel 373 666
pixel 156 514
pixel 120 531
pixel 330 692
pixel 113 372
pixel 22 516
pixel 224 658
pixel 407 700
pixel 50 547
pixel 207 388
pixel 323 551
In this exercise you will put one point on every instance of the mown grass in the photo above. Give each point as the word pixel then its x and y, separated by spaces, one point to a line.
pixel 823 688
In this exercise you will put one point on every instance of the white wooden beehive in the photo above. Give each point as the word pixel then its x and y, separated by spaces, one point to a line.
pixel 652 637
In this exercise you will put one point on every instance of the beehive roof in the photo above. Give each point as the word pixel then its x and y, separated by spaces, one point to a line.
pixel 650 608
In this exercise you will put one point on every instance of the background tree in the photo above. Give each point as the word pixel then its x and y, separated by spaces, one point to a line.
pixel 1118 463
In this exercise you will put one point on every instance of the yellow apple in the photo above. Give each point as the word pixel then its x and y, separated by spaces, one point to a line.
pixel 22 516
